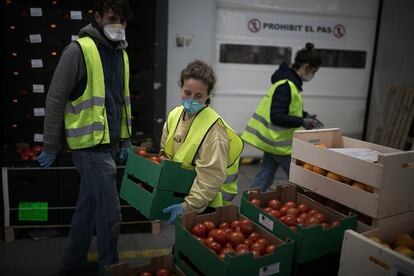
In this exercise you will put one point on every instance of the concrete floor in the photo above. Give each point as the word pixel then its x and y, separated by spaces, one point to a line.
pixel 26 256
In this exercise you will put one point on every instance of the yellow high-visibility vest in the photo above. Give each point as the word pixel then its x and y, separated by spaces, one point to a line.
pixel 86 123
pixel 262 134
pixel 186 153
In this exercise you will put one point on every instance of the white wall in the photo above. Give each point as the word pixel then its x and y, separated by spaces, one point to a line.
pixel 190 18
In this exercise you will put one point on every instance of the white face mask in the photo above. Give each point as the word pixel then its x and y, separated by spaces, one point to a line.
pixel 114 32
pixel 308 77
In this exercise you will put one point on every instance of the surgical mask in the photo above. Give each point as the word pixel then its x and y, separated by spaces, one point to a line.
pixel 114 32
pixel 308 77
pixel 191 106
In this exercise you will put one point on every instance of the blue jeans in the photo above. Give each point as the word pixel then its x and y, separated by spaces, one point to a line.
pixel 270 164
pixel 97 206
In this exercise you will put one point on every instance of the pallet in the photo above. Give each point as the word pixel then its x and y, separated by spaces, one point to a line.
pixel 9 231
pixel 400 117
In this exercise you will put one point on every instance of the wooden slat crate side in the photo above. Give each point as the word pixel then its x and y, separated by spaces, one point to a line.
pixel 362 256
pixel 331 137
pixel 366 203
pixel 356 169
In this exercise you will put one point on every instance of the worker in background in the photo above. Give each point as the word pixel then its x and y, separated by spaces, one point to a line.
pixel 90 93
pixel 280 113
pixel 197 136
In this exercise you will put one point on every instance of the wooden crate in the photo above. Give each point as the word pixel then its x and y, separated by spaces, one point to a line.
pixel 391 176
pixel 362 256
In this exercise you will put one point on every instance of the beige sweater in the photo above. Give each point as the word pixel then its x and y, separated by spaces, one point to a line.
pixel 210 163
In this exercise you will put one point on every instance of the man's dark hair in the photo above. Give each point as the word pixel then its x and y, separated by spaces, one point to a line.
pixel 120 7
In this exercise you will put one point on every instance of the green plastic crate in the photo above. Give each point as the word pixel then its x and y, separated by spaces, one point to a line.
pixel 168 175
pixel 194 258
pixel 311 242
pixel 150 187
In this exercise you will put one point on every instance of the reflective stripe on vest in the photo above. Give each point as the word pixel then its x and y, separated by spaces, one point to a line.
pixel 261 133
pixel 86 122
pixel 188 150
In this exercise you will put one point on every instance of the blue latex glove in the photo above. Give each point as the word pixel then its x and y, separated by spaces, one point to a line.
pixel 46 159
pixel 123 154
pixel 175 210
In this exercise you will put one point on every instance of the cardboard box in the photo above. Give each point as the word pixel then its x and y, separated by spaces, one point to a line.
pixel 390 177
pixel 150 187
pixel 362 256
pixel 156 263
pixel 195 258
pixel 311 242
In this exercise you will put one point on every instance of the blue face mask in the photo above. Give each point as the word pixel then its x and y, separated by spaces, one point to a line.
pixel 191 106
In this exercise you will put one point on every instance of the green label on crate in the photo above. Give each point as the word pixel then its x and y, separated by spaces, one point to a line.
pixel 33 211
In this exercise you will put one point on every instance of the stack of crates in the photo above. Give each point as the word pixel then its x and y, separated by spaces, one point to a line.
pixel 149 186
pixel 373 180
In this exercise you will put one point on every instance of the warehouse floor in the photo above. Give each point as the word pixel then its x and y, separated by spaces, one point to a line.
pixel 26 256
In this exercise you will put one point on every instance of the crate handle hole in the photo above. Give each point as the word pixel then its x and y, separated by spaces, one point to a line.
pixel 379 263
pixel 140 183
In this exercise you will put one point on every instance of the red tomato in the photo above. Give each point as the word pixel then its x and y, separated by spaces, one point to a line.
pixel 242 245
pixel 200 230
pixel 283 210
pixel 300 220
pixel 212 232
pixel 312 211
pixel 275 213
pixel 312 221
pixel 290 220
pixel 256 253
pixel 256 202
pixel 228 250
pixel 221 237
pixel 155 159
pixel 242 251
pixel 321 217
pixel 145 273
pixel 270 249
pixel 274 203
pixel 209 224
pixel 246 226
pixel 224 225
pixel 303 208
pixel 163 272
pixel 290 204
pixel 258 246
pixel 267 209
pixel 254 236
pixel 292 211
pixel 236 238
pixel 234 224
pixel 303 215
pixel 228 231
pixel 215 246
pixel 248 242
pixel 142 153
pixel 335 223
pixel 263 241
pixel 208 240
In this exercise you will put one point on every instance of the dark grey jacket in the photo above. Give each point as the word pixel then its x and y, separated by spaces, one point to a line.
pixel 69 82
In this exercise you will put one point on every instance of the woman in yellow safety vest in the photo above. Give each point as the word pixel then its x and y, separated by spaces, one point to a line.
pixel 196 136
pixel 280 113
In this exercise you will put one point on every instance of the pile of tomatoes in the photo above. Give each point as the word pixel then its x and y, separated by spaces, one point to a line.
pixel 292 214
pixel 154 158
pixel 160 272
pixel 234 237
pixel 29 154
